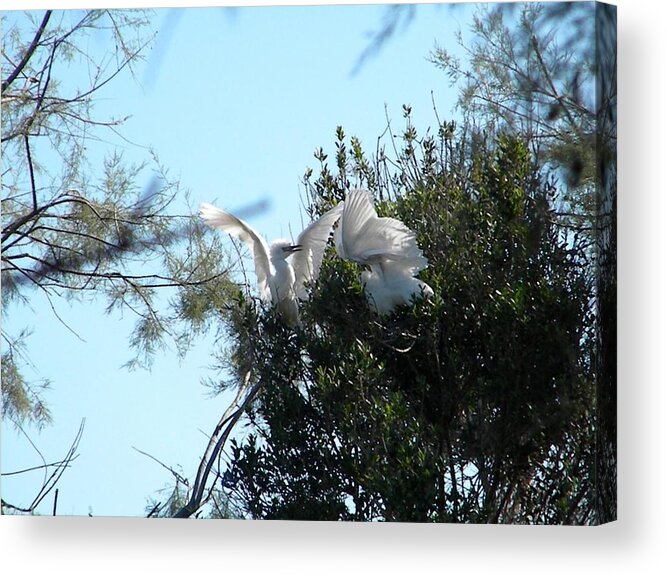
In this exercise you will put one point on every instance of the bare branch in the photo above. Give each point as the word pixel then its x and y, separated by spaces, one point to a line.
pixel 218 439
pixel 60 469
pixel 36 467
pixel 155 509
pixel 38 211
pixel 171 470
pixel 28 53
pixel 32 171
pixel 51 480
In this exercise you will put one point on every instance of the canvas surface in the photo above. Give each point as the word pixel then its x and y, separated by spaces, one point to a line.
pixel 433 341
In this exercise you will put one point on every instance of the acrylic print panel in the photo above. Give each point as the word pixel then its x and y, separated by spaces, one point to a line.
pixel 434 340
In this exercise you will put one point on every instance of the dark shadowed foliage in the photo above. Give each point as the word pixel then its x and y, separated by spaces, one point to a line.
pixel 476 406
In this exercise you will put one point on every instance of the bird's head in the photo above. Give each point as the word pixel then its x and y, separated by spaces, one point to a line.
pixel 282 249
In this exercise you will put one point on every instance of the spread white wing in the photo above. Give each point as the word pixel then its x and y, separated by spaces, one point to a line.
pixel 365 238
pixel 313 239
pixel 219 219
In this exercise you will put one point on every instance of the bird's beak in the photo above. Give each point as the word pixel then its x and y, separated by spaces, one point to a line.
pixel 292 249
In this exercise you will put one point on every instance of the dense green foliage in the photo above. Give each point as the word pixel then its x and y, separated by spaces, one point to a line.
pixel 495 401
pixel 470 407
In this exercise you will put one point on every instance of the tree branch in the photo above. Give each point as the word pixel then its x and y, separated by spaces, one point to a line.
pixel 60 469
pixel 36 467
pixel 171 470
pixel 32 171
pixel 29 52
pixel 215 446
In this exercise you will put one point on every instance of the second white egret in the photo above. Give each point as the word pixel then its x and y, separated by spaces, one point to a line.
pixel 387 246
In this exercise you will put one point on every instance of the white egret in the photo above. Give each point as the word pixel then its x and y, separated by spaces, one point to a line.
pixel 387 246
pixel 390 284
pixel 280 282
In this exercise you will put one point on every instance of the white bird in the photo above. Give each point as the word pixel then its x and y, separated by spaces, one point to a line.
pixel 280 282
pixel 390 284
pixel 387 246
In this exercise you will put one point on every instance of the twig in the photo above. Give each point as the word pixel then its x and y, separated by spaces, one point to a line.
pixel 36 467
pixel 29 52
pixel 32 171
pixel 55 502
pixel 60 469
pixel 14 507
pixel 177 475
pixel 155 509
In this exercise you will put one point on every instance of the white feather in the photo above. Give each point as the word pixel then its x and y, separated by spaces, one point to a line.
pixel 280 282
pixel 387 246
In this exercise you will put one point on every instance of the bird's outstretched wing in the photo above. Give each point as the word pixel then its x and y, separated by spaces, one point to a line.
pixel 365 238
pixel 216 218
pixel 313 239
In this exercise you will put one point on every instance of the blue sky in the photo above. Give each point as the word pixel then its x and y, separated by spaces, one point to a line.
pixel 234 103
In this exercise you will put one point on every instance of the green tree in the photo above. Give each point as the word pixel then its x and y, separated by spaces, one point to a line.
pixel 475 406
pixel 536 70
pixel 547 73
